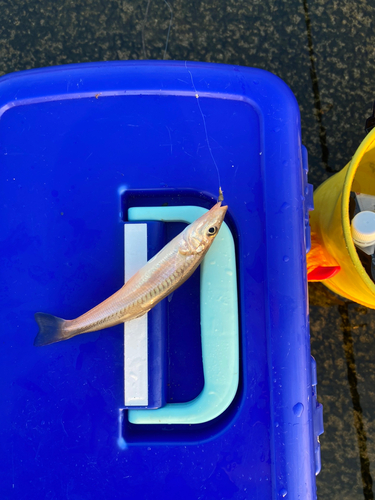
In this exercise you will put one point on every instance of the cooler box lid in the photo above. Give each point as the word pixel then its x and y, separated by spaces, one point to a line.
pixel 88 150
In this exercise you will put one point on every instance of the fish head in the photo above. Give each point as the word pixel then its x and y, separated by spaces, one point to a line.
pixel 199 235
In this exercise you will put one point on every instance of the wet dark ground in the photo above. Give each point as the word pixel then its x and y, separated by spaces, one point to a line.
pixel 324 50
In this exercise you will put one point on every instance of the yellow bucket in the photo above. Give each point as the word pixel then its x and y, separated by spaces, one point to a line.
pixel 332 244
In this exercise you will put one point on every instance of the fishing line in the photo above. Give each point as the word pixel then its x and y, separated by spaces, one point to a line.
pixel 205 129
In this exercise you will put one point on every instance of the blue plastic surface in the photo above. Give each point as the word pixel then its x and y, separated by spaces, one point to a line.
pixel 308 198
pixel 317 417
pixel 81 144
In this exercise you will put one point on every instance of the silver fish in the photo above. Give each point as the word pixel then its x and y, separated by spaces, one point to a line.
pixel 162 274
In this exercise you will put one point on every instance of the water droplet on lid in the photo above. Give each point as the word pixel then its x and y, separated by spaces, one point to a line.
pixel 283 493
pixel 284 207
pixel 286 258
pixel 121 443
pixel 298 409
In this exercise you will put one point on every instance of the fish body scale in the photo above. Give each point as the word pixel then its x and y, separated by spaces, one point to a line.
pixel 160 276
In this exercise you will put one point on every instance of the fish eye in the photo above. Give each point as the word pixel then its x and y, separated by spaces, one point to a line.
pixel 212 231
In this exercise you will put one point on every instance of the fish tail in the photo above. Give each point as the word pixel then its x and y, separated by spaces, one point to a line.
pixel 51 329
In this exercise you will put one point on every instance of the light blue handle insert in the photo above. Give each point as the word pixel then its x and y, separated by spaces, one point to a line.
pixel 219 326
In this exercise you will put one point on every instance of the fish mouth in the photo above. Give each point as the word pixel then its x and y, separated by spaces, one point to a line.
pixel 217 213
pixel 221 210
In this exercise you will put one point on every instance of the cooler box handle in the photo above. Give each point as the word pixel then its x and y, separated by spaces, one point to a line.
pixel 219 326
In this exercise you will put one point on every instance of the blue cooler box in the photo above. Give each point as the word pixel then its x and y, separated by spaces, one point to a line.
pixel 210 396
